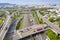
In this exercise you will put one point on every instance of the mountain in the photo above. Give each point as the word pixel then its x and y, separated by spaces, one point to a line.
pixel 7 4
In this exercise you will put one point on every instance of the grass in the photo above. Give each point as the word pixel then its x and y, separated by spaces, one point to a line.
pixel 19 26
pixel 2 14
pixel 1 21
pixel 2 17
pixel 51 19
pixel 16 15
pixel 40 21
pixel 59 24
pixel 42 12
pixel 58 20
pixel 52 35
pixel 35 15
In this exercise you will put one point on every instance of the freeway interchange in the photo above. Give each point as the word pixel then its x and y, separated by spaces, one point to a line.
pixel 30 26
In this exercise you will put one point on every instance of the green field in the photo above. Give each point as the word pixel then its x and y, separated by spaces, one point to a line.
pixel 2 14
pixel 19 26
pixel 2 17
pixel 52 35
pixel 16 15
pixel 1 21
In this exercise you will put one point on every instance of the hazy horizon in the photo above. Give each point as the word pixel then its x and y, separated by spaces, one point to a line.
pixel 30 2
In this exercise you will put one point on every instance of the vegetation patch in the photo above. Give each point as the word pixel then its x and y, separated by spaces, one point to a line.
pixel 16 15
pixel 1 21
pixel 37 18
pixel 58 20
pixel 52 35
pixel 51 19
pixel 2 14
pixel 19 26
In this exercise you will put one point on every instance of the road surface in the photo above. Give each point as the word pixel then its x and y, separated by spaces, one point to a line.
pixel 56 29
pixel 31 30
pixel 12 30
pixel 5 26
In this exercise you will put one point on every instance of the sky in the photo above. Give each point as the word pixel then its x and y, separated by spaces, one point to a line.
pixel 29 2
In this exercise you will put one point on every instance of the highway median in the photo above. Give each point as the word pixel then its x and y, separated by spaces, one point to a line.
pixel 20 23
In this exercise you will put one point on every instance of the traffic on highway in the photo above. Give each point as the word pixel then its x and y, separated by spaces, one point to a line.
pixel 30 23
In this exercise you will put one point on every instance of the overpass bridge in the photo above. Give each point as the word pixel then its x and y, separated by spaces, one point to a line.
pixel 6 24
pixel 34 34
pixel 23 32
pixel 52 26
pixel 28 31
pixel 12 29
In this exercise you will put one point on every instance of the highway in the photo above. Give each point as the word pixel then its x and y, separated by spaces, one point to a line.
pixel 5 26
pixel 12 30
pixel 28 21
pixel 34 22
pixel 56 29
pixel 30 30
pixel 10 33
pixel 38 36
pixel 25 20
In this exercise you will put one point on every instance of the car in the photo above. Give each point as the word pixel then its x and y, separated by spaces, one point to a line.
pixel 31 20
pixel 21 31
pixel 46 27
pixel 6 28
pixel 38 29
pixel 28 29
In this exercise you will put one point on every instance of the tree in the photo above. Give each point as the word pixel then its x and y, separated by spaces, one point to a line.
pixel 51 19
pixel 41 21
pixel 59 24
pixel 54 12
pixel 58 19
pixel 42 12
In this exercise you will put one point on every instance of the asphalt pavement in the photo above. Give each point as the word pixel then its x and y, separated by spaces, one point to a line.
pixel 56 29
pixel 12 30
